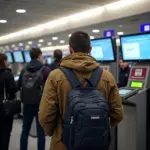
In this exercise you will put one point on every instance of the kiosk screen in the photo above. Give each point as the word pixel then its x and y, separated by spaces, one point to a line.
pixel 124 91
pixel 102 49
pixel 9 56
pixel 27 56
pixel 136 47
pixel 18 57
pixel 136 84
pixel 49 60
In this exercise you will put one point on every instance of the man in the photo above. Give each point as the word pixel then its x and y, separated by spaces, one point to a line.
pixel 124 73
pixel 57 56
pixel 53 103
pixel 31 83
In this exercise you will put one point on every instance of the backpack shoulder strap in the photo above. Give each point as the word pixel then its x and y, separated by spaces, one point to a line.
pixel 96 76
pixel 72 78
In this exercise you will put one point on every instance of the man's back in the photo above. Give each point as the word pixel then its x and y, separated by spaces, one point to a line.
pixel 53 104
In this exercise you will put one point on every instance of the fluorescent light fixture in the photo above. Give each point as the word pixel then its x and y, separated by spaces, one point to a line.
pixel 118 42
pixel 39 45
pixel 120 26
pixel 20 44
pixel 49 43
pixel 62 41
pixel 41 40
pixel 120 33
pixel 13 45
pixel 3 21
pixel 69 35
pixel 51 48
pixel 27 46
pixel 92 37
pixel 54 38
pixel 30 42
pixel 96 31
pixel 21 11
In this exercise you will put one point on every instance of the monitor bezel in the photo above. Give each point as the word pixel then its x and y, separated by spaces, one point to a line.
pixel 133 60
pixel 11 56
pixel 113 48
pixel 22 56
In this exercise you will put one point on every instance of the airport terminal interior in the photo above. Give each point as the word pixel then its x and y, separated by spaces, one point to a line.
pixel 118 29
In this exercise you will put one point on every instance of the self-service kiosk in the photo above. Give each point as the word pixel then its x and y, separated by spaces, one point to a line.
pixel 133 132
pixel 103 50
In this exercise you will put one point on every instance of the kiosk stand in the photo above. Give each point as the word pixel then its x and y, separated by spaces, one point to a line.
pixel 133 131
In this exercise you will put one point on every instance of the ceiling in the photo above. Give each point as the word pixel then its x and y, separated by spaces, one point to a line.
pixel 40 11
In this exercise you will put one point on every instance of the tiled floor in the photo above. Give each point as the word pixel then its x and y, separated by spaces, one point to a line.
pixel 15 138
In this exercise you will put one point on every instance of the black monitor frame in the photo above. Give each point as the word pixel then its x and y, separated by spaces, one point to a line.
pixel 22 56
pixel 132 60
pixel 11 56
pixel 113 41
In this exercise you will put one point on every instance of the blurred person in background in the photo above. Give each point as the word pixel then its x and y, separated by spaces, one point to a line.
pixel 57 56
pixel 7 81
pixel 31 84
pixel 124 73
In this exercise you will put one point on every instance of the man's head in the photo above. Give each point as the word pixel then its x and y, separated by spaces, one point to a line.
pixel 36 53
pixel 57 55
pixel 123 65
pixel 3 61
pixel 80 42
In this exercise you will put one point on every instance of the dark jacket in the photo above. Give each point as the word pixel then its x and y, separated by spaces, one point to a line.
pixel 7 78
pixel 54 65
pixel 57 87
pixel 123 77
pixel 34 66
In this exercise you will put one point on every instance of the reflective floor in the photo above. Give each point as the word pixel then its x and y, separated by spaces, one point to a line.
pixel 15 138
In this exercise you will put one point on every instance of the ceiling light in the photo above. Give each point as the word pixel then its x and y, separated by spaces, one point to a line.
pixel 27 46
pixel 69 35
pixel 120 33
pixel 21 11
pixel 92 37
pixel 95 31
pixel 39 45
pixel 62 41
pixel 49 43
pixel 120 26
pixel 20 44
pixel 13 45
pixel 54 38
pixel 3 21
pixel 41 40
pixel 30 42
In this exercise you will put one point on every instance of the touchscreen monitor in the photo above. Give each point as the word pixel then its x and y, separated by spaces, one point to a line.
pixel 102 49
pixel 9 57
pixel 49 60
pixel 124 91
pixel 27 56
pixel 135 47
pixel 18 57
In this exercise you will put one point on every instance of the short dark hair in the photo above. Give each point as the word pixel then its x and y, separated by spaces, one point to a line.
pixel 58 54
pixel 3 58
pixel 35 53
pixel 80 42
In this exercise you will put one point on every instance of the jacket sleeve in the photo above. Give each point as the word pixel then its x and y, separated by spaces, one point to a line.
pixel 49 106
pixel 116 107
pixel 11 87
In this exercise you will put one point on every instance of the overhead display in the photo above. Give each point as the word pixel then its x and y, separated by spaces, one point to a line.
pixel 18 56
pixel 27 56
pixel 136 47
pixel 9 57
pixel 102 49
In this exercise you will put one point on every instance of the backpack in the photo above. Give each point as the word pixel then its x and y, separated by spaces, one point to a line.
pixel 86 121
pixel 32 86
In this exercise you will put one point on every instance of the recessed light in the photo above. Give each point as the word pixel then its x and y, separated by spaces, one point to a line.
pixel 120 25
pixel 69 35
pixel 21 11
pixel 3 21
pixel 120 33
pixel 49 43
pixel 29 42
pixel 41 40
pixel 54 38
pixel 95 31
pixel 39 45
pixel 20 44
pixel 13 45
pixel 92 37
pixel 62 41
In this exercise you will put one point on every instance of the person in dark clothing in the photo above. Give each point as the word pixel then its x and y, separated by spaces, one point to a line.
pixel 124 73
pixel 57 56
pixel 31 98
pixel 6 122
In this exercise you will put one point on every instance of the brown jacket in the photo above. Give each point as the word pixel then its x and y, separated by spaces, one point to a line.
pixel 52 107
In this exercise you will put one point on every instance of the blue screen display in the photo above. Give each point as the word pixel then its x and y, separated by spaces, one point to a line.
pixel 49 60
pixel 136 47
pixel 27 56
pixel 9 57
pixel 18 57
pixel 102 50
